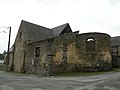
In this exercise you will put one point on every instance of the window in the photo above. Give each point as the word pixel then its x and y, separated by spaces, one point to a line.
pixel 90 44
pixel 37 51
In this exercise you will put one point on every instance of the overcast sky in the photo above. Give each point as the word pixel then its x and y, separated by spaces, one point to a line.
pixel 83 15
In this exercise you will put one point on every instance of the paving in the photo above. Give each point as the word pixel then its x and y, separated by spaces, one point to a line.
pixel 107 81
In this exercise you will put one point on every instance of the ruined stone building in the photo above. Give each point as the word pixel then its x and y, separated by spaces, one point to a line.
pixel 44 51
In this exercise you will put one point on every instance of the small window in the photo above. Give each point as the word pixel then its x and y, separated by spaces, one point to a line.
pixel 37 51
pixel 90 44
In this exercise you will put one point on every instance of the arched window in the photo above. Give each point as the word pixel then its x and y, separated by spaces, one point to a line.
pixel 90 44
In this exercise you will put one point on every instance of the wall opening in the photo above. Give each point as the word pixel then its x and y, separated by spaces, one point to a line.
pixel 64 58
pixel 90 44
pixel 37 51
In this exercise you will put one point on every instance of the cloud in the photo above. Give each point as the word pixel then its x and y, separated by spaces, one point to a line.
pixel 115 2
pixel 84 15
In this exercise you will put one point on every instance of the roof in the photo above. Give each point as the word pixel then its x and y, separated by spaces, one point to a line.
pixel 115 41
pixel 35 32
pixel 59 29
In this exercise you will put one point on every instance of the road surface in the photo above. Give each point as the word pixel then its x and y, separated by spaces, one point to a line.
pixel 107 81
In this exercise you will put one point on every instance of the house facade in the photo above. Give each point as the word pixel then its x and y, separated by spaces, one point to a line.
pixel 45 51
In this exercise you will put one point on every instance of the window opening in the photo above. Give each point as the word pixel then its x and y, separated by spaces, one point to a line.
pixel 64 58
pixel 37 51
pixel 90 39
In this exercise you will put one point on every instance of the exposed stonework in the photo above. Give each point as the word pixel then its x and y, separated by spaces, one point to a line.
pixel 40 64
pixel 68 53
pixel 93 51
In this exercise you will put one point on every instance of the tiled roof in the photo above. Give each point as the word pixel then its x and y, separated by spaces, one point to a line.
pixel 35 32
pixel 59 29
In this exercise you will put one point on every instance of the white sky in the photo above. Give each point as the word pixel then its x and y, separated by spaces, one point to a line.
pixel 83 15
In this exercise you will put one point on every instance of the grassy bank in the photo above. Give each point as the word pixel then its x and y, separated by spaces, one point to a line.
pixel 68 74
pixel 85 73
pixel 79 73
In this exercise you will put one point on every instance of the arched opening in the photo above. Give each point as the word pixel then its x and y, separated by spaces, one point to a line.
pixel 90 39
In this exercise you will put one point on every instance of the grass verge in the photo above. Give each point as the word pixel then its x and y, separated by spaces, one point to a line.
pixel 79 73
pixel 69 74
pixel 116 69
pixel 18 73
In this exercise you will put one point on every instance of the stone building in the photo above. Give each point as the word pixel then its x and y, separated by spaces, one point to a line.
pixel 44 51
pixel 115 51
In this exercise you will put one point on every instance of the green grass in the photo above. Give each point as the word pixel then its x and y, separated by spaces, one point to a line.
pixel 18 73
pixel 85 73
pixel 79 73
pixel 116 69
pixel 64 74
pixel 68 74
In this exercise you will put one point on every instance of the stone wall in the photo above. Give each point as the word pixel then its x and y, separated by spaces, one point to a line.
pixel 93 51
pixel 56 55
pixel 82 52
pixel 68 53
pixel 39 64
pixel 65 53
pixel 19 48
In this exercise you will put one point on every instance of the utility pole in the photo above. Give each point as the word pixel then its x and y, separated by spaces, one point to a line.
pixel 6 62
pixel 8 52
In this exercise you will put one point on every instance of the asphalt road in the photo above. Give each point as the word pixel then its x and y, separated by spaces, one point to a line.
pixel 107 81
